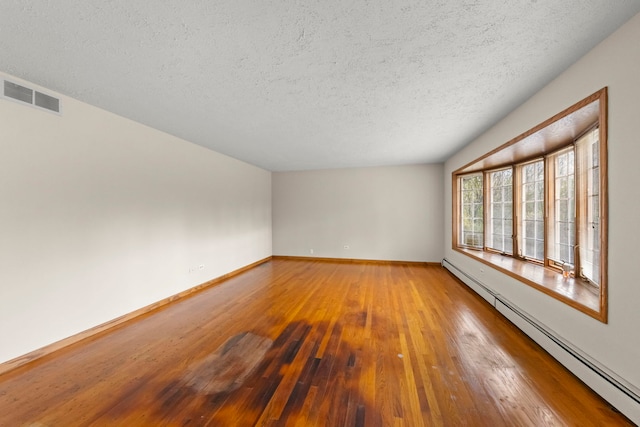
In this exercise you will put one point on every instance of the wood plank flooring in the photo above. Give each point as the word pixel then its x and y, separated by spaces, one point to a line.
pixel 308 343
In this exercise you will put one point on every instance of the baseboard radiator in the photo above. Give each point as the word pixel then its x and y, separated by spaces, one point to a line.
pixel 622 395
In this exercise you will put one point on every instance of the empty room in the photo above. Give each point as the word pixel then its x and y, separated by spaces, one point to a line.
pixel 358 213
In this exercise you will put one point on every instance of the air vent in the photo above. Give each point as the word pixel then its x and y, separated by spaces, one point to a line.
pixel 48 102
pixel 32 97
pixel 17 92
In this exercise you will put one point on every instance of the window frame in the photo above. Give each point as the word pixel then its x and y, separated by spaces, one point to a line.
pixel 489 202
pixel 551 177
pixel 545 141
pixel 583 198
pixel 473 217
pixel 517 212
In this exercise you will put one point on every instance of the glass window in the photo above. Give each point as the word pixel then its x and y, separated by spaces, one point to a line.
pixel 535 208
pixel 531 226
pixel 500 225
pixel 472 211
pixel 562 218
pixel 588 149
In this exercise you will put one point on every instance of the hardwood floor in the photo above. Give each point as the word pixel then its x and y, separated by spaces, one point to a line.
pixel 305 343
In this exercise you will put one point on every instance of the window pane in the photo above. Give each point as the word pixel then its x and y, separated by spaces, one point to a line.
pixel 562 218
pixel 539 190
pixel 539 230
pixel 562 166
pixel 508 246
pixel 496 194
pixel 539 250
pixel 530 248
pixel 496 210
pixel 496 180
pixel 561 186
pixel 501 209
pixel 508 179
pixel 530 210
pixel 571 184
pixel 508 210
pixel 529 191
pixel 531 227
pixel 508 192
pixel 588 157
pixel 529 173
pixel 562 209
pixel 497 226
pixel 471 213
pixel 539 210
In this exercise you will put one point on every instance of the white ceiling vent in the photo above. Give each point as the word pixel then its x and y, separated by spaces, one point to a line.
pixel 22 94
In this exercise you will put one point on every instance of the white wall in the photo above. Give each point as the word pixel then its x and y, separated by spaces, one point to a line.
pixel 100 216
pixel 381 213
pixel 614 63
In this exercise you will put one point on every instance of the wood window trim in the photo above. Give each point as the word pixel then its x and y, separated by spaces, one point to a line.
pixel 546 138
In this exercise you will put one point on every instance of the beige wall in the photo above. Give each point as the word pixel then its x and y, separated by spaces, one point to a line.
pixel 614 63
pixel 100 216
pixel 381 213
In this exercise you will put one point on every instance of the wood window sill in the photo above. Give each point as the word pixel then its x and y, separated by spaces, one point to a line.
pixel 572 291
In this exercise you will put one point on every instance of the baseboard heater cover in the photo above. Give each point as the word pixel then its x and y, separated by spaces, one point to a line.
pixel 479 288
pixel 622 395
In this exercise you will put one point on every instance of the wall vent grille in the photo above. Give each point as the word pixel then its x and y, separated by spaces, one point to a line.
pixel 23 94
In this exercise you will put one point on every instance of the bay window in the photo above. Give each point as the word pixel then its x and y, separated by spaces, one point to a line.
pixel 534 208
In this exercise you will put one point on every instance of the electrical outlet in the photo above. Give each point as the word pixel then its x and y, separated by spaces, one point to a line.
pixel 311 251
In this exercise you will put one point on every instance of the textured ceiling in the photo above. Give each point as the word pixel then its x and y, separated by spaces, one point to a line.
pixel 306 84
